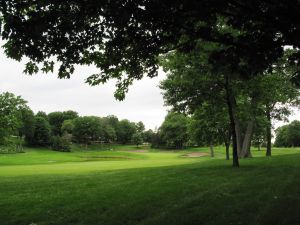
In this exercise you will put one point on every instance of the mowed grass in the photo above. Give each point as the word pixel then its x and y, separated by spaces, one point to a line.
pixel 156 187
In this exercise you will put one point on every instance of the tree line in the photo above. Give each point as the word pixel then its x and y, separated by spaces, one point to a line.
pixel 179 131
pixel 59 129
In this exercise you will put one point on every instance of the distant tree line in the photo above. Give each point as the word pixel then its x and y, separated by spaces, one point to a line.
pixel 207 126
pixel 179 131
pixel 59 129
pixel 288 135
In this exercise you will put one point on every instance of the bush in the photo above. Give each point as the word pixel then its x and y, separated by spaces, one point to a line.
pixel 62 144
pixel 11 145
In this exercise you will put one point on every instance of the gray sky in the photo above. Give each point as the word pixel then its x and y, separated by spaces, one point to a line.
pixel 45 92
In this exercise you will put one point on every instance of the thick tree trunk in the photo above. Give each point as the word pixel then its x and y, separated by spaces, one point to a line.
pixel 247 140
pixel 211 147
pixel 238 136
pixel 259 147
pixel 231 111
pixel 268 131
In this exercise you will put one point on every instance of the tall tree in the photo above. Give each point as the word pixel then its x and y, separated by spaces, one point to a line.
pixel 87 129
pixel 210 126
pixel 11 108
pixel 42 133
pixel 174 130
pixel 27 127
pixel 288 135
pixel 125 131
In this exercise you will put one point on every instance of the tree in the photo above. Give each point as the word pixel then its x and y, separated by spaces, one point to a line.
pixel 67 126
pixel 282 136
pixel 56 120
pixel 148 135
pixel 42 133
pixel 62 144
pixel 137 139
pixel 70 115
pixel 86 129
pixel 193 79
pixel 288 135
pixel 277 92
pixel 27 127
pixel 125 131
pixel 140 127
pixel 210 126
pixel 174 130
pixel 42 114
pixel 11 107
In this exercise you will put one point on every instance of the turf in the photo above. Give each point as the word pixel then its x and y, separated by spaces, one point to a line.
pixel 157 187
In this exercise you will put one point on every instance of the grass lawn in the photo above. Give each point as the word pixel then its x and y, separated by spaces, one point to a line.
pixel 153 187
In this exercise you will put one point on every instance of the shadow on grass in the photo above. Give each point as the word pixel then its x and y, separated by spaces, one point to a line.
pixel 263 191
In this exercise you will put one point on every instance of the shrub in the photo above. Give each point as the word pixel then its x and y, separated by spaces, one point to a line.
pixel 62 144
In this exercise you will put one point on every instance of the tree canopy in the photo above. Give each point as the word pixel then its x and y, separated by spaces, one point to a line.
pixel 123 38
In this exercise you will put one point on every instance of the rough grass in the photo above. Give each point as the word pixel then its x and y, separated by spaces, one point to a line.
pixel 148 188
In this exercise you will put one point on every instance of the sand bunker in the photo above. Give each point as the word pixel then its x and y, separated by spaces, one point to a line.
pixel 196 154
pixel 140 150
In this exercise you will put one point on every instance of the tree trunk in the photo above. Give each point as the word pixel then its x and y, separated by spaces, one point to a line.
pixel 258 146
pixel 211 147
pixel 247 140
pixel 231 111
pixel 227 150
pixel 227 141
pixel 238 136
pixel 268 131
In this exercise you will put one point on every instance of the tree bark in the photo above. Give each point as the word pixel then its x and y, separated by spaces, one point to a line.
pixel 268 131
pixel 245 152
pixel 231 111
pixel 211 147
pixel 238 136
pixel 227 151
pixel 227 141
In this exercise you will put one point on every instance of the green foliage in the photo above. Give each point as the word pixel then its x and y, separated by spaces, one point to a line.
pixel 12 145
pixel 148 135
pixel 61 143
pixel 87 129
pixel 56 120
pixel 137 139
pixel 288 135
pixel 210 125
pixel 42 114
pixel 10 114
pixel 67 126
pixel 125 131
pixel 114 42
pixel 174 130
pixel 42 132
pixel 140 127
pixel 28 125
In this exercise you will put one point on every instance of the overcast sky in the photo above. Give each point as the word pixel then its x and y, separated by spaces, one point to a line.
pixel 45 92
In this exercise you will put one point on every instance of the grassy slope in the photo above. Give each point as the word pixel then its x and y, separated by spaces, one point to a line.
pixel 148 188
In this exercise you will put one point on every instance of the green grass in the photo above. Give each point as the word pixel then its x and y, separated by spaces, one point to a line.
pixel 156 187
